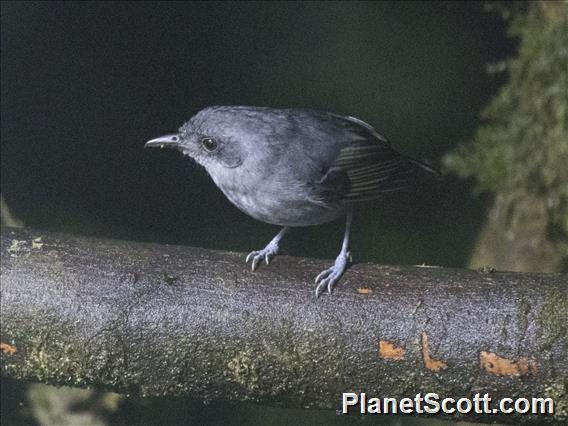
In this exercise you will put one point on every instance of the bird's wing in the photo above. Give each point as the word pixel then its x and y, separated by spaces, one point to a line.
pixel 365 167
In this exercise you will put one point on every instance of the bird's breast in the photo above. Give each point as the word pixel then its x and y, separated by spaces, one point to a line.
pixel 274 200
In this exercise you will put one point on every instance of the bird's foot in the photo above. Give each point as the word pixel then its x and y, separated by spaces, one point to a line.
pixel 266 254
pixel 328 278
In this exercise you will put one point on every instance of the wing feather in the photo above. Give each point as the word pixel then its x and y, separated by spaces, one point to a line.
pixel 372 169
pixel 365 167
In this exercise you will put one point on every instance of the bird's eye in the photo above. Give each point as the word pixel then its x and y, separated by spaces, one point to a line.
pixel 209 144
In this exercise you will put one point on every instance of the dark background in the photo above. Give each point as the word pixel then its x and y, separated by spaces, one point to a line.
pixel 84 85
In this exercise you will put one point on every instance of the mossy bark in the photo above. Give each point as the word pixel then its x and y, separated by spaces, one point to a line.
pixel 154 320
pixel 520 151
pixel 516 237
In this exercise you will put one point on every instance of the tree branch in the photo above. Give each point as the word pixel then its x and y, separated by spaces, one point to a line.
pixel 151 320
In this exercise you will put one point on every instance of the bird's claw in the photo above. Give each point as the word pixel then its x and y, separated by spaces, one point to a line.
pixel 267 254
pixel 328 278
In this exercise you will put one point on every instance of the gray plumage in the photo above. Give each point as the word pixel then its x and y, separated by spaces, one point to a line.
pixel 292 167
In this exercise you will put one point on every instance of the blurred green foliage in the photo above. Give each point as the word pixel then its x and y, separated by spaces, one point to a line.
pixel 521 148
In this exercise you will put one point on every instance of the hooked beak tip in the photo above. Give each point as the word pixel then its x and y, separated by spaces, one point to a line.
pixel 167 141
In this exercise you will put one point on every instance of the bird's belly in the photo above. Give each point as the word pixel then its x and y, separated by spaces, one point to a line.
pixel 280 208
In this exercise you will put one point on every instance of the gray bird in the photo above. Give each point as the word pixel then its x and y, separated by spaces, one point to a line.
pixel 293 167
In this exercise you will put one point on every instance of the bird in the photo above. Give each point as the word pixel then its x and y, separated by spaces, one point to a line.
pixel 294 167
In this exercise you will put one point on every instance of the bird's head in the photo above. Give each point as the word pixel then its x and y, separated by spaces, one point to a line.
pixel 212 137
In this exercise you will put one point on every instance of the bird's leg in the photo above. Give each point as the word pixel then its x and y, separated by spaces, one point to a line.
pixel 329 277
pixel 268 252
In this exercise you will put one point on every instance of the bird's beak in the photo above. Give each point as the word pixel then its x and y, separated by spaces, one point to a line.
pixel 166 141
